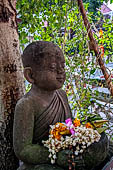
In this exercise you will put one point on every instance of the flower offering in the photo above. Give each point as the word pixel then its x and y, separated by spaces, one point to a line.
pixel 70 133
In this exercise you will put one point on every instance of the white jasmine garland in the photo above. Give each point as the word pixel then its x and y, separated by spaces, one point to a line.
pixel 76 152
pixel 82 138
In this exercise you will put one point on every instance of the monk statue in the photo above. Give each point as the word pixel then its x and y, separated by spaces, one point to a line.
pixel 44 105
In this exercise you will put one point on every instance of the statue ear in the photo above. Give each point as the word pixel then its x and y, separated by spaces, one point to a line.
pixel 28 74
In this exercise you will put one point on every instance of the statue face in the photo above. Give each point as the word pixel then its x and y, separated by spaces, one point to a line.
pixel 51 74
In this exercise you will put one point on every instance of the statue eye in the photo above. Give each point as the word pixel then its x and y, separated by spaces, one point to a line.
pixel 52 67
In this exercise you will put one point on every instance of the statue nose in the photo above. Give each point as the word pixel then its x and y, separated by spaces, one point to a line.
pixel 60 70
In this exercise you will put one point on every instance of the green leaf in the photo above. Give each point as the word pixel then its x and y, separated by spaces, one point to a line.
pixel 103 129
pixel 92 71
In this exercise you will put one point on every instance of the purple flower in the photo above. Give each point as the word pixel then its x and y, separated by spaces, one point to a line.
pixel 68 122
pixel 72 131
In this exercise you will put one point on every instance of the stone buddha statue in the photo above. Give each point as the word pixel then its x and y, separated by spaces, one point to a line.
pixel 46 104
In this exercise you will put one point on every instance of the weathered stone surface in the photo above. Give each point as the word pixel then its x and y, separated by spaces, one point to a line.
pixel 96 153
pixel 108 158
pixel 109 165
pixel 43 105
pixel 62 158
pixel 92 156
pixel 39 167
pixel 110 153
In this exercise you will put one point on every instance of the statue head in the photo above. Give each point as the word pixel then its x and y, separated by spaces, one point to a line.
pixel 44 64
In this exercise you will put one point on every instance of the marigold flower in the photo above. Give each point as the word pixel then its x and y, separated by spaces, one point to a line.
pixel 100 32
pixel 76 122
pixel 88 125
pixel 59 127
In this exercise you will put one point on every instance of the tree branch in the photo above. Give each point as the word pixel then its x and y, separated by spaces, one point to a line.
pixel 95 46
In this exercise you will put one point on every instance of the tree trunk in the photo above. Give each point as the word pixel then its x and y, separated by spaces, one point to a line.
pixel 11 81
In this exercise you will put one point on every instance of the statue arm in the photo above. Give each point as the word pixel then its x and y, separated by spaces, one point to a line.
pixel 23 134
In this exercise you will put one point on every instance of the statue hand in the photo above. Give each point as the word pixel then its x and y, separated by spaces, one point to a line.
pixel 63 157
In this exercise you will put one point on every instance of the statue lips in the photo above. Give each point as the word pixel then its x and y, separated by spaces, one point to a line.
pixel 61 79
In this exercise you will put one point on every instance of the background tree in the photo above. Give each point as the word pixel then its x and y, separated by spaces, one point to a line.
pixel 11 81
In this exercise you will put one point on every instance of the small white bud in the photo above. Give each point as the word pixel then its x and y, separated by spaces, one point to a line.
pixel 52 161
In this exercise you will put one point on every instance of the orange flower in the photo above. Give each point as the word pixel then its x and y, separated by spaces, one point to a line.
pixel 76 122
pixel 100 32
pixel 55 134
pixel 101 50
pixel 88 125
pixel 59 127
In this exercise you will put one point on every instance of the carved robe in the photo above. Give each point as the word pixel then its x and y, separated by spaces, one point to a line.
pixel 57 111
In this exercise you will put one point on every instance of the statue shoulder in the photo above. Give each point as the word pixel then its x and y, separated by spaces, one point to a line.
pixel 24 104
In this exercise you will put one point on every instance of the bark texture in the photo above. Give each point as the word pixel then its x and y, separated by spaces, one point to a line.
pixel 11 81
pixel 95 46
